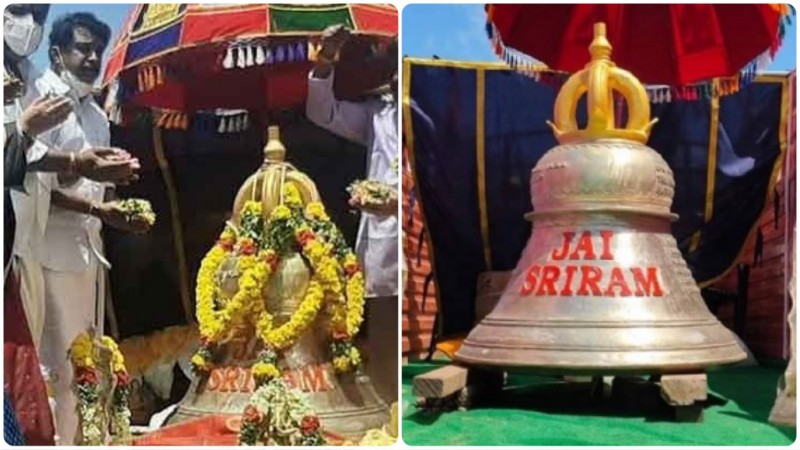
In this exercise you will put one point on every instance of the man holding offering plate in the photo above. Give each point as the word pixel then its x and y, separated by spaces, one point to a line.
pixel 71 253
pixel 372 122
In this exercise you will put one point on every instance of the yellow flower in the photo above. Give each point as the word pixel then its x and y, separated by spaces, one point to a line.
pixel 200 362
pixel 349 259
pixel 341 364
pixel 82 351
pixel 315 250
pixel 291 196
pixel 281 212
pixel 228 234
pixel 252 207
pixel 315 210
pixel 355 356
pixel 355 303
pixel 117 360
pixel 265 371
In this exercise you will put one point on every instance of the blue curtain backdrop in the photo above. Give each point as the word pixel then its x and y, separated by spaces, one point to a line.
pixel 444 107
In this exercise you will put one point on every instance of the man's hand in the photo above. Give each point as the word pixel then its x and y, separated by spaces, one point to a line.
pixel 382 209
pixel 44 113
pixel 113 216
pixel 333 39
pixel 108 165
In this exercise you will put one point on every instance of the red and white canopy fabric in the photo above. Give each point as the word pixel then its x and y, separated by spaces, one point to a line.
pixel 682 51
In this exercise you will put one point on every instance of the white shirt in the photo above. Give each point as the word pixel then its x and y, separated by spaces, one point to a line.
pixel 31 207
pixel 72 239
pixel 372 123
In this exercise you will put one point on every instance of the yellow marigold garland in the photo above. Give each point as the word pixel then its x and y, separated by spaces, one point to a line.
pixel 347 307
pixel 254 276
pixel 86 384
pixel 285 335
pixel 335 280
pixel 354 288
pixel 206 288
pixel 215 323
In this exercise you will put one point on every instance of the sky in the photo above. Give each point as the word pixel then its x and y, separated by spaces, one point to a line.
pixel 453 31
pixel 450 31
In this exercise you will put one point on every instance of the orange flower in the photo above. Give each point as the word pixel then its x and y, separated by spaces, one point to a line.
pixel 246 246
pixel 87 376
pixel 271 259
pixel 123 379
pixel 252 414
pixel 351 268
pixel 226 244
pixel 309 424
pixel 305 236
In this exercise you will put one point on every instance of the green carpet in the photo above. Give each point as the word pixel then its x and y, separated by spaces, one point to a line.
pixel 542 411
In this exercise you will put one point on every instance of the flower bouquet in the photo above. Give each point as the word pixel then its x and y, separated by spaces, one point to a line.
pixel 99 373
pixel 371 193
pixel 277 415
pixel 137 209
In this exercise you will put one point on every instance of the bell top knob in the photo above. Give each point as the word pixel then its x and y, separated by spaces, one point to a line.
pixel 598 80
pixel 274 151
pixel 267 183
pixel 600 48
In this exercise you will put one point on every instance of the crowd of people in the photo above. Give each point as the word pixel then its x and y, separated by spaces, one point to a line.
pixel 60 174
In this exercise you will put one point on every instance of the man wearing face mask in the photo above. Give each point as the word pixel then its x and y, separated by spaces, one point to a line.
pixel 28 167
pixel 72 252
pixel 373 123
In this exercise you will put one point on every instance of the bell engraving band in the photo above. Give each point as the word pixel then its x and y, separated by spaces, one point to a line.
pixel 601 287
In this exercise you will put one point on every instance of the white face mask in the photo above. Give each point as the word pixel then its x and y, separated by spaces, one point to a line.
pixel 79 87
pixel 21 34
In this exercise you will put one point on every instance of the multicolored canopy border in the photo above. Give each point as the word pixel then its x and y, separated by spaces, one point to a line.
pixel 154 30
pixel 166 50
pixel 717 87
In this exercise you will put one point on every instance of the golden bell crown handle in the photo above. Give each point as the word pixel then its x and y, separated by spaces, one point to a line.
pixel 267 184
pixel 598 80
pixel 274 151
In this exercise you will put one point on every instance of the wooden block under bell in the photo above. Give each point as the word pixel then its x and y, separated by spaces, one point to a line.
pixel 683 390
pixel 441 382
pixel 686 394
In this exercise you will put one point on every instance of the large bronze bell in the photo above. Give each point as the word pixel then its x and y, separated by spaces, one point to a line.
pixel 347 405
pixel 601 286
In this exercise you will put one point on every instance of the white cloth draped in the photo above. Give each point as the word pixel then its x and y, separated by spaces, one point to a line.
pixel 71 254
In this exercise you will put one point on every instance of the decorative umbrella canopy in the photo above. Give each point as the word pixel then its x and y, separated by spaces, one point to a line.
pixel 682 47
pixel 191 57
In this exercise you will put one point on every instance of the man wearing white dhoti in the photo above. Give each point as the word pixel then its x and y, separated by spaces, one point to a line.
pixel 71 253
pixel 27 113
pixel 29 167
